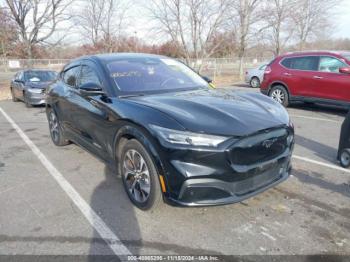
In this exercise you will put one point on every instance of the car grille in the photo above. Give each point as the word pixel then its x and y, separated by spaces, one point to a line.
pixel 260 148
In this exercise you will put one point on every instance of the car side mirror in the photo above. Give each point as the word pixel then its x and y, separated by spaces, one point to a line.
pixel 91 89
pixel 207 79
pixel 344 70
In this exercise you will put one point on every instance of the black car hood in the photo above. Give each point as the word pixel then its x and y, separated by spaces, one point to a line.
pixel 37 84
pixel 223 112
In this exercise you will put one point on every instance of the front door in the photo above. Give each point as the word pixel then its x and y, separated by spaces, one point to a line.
pixel 329 82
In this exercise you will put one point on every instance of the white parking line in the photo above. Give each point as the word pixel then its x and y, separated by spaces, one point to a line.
pixel 316 118
pixel 321 163
pixel 96 222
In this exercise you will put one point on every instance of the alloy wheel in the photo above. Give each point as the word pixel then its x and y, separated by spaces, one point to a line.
pixel 345 158
pixel 54 127
pixel 255 83
pixel 278 96
pixel 137 176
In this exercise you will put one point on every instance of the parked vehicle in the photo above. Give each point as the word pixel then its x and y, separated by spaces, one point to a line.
pixel 344 143
pixel 322 77
pixel 255 76
pixel 158 124
pixel 30 85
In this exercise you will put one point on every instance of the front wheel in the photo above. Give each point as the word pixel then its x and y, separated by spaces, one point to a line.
pixel 26 101
pixel 255 82
pixel 280 95
pixel 56 131
pixel 345 158
pixel 139 176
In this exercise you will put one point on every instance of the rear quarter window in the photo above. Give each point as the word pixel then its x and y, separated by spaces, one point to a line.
pixel 306 63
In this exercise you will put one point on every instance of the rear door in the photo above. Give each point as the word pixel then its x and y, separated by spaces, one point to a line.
pixel 329 83
pixel 298 74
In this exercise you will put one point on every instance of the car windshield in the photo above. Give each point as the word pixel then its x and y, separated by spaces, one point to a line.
pixel 140 75
pixel 40 76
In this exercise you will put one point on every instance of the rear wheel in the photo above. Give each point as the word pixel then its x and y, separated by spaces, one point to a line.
pixel 255 82
pixel 139 176
pixel 345 158
pixel 56 131
pixel 280 95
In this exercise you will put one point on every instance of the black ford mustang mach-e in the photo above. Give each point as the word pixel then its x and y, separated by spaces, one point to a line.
pixel 170 136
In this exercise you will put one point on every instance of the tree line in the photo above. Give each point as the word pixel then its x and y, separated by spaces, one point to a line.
pixel 188 29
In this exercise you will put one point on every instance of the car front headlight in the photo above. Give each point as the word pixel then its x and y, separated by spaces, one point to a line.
pixel 35 90
pixel 188 138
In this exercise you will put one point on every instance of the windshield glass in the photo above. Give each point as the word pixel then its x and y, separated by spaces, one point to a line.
pixel 139 75
pixel 40 76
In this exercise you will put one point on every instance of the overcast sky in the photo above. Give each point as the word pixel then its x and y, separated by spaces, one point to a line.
pixel 140 25
pixel 343 23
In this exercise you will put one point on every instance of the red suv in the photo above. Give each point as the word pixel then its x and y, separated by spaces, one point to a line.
pixel 321 76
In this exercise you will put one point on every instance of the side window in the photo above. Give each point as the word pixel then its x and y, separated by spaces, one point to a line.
pixel 70 76
pixel 306 63
pixel 88 75
pixel 262 67
pixel 330 64
pixel 20 76
pixel 286 62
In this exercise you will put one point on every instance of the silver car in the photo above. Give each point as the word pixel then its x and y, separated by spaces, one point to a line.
pixel 255 76
pixel 30 85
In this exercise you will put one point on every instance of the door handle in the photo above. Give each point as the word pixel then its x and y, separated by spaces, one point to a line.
pixel 287 74
pixel 318 77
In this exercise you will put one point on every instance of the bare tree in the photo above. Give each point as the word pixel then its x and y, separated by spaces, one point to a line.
pixel 102 22
pixel 277 29
pixel 191 24
pixel 8 35
pixel 244 14
pixel 311 17
pixel 37 20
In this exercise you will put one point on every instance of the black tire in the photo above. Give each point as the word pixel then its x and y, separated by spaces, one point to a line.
pixel 345 158
pixel 255 82
pixel 153 199
pixel 14 98
pixel 56 132
pixel 26 101
pixel 280 94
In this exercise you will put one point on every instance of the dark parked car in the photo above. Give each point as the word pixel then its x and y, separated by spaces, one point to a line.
pixel 30 85
pixel 322 77
pixel 158 124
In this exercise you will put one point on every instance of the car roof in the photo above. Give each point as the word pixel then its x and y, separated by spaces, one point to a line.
pixel 317 52
pixel 38 70
pixel 109 57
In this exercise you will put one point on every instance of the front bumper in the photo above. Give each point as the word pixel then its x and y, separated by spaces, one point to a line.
pixel 36 98
pixel 205 178
pixel 211 191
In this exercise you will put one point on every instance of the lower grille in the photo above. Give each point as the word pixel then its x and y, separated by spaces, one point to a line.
pixel 253 183
pixel 259 148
